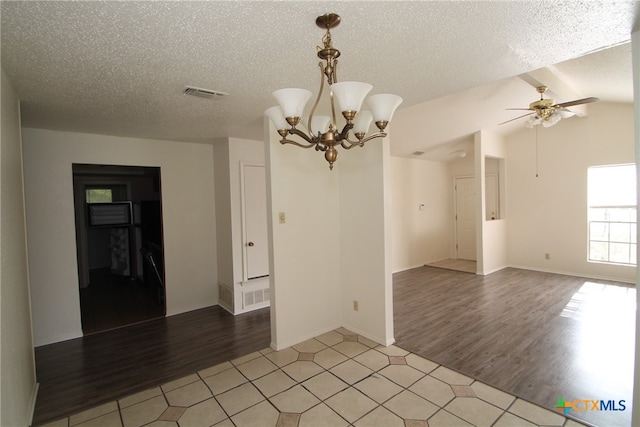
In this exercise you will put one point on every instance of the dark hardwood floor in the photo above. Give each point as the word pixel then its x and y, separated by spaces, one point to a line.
pixel 539 336
pixel 78 374
pixel 113 301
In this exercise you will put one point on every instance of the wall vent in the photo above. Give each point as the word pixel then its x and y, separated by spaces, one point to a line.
pixel 259 296
pixel 225 295
pixel 203 93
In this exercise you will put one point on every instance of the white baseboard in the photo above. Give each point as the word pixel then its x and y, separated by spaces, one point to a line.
pixel 379 340
pixel 290 343
pixel 32 402
pixel 574 274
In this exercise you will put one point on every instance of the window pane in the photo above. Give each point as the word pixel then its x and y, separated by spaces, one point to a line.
pixel 611 212
pixel 599 251
pixel 620 232
pixel 622 214
pixel 599 231
pixel 612 185
pixel 598 214
pixel 99 195
pixel 619 252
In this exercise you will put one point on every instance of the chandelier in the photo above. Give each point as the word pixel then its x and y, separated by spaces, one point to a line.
pixel 322 132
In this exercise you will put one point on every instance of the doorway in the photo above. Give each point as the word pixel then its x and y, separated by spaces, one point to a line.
pixel 119 242
pixel 465 218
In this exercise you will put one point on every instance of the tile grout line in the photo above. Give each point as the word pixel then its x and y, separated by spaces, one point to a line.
pixel 351 358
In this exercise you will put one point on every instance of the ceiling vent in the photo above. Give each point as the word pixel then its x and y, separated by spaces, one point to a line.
pixel 418 153
pixel 203 93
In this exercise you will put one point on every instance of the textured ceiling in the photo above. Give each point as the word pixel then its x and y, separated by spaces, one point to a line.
pixel 119 68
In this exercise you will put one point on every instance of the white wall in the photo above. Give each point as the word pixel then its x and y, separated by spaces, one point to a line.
pixel 548 214
pixel 491 238
pixel 304 260
pixel 333 247
pixel 224 235
pixel 230 155
pixel 365 241
pixel 18 387
pixel 635 48
pixel 188 216
pixel 420 237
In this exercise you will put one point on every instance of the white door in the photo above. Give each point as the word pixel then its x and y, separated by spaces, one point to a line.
pixel 255 222
pixel 465 218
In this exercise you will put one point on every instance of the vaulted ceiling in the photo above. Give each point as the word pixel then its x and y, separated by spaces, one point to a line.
pixel 119 68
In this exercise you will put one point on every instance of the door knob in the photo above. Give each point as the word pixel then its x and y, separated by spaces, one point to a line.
pixel 250 244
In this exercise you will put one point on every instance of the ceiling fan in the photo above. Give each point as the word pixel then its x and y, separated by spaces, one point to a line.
pixel 546 112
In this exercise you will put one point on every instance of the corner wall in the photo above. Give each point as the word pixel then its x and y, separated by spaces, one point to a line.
pixel 491 242
pixel 304 258
pixel 334 245
pixel 419 236
pixel 18 388
pixel 188 216
pixel 548 213
pixel 365 241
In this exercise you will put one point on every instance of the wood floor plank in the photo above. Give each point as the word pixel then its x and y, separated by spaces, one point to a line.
pixel 536 335
pixel 539 336
pixel 78 374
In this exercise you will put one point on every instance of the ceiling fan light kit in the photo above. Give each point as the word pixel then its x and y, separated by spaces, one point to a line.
pixel 322 132
pixel 546 112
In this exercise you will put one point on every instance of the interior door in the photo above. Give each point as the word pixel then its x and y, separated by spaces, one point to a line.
pixel 465 218
pixel 255 222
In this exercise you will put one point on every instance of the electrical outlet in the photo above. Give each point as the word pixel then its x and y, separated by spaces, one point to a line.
pixel 282 218
pixel 355 305
pixel 547 256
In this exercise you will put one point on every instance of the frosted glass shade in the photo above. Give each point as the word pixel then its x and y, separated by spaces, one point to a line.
pixel 319 124
pixel 551 120
pixel 292 101
pixel 277 118
pixel 383 106
pixel 362 121
pixel 350 95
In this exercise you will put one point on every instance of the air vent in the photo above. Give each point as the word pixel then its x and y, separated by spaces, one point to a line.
pixel 203 93
pixel 418 153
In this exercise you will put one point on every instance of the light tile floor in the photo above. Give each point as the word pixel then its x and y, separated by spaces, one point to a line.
pixel 336 379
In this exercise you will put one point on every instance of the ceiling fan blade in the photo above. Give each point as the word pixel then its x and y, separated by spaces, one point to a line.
pixel 515 119
pixel 521 109
pixel 577 102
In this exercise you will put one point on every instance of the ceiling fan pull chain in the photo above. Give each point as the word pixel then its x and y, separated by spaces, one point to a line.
pixel 537 151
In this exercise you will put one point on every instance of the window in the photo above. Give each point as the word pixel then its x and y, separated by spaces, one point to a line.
pixel 612 214
pixel 99 195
